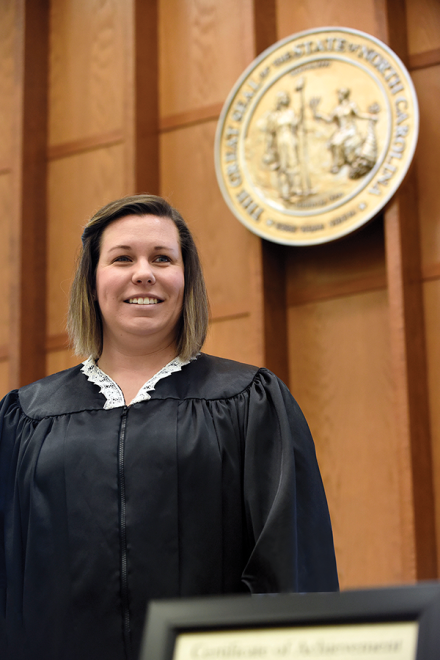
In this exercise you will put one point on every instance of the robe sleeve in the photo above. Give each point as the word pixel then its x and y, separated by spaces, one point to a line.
pixel 10 415
pixel 286 509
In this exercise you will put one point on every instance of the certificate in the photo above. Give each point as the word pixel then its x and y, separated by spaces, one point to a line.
pixel 378 641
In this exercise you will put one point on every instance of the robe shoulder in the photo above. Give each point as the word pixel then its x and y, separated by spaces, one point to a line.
pixel 61 393
pixel 207 377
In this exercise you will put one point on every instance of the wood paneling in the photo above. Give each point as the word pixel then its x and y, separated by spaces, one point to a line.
pixel 408 352
pixel 4 378
pixel 273 256
pixel 330 272
pixel 87 68
pixel 78 186
pixel 60 360
pixel 28 228
pixel 183 119
pixel 145 90
pixel 265 24
pixel 432 307
pixel 65 149
pixel 408 355
pixel 234 339
pixel 340 374
pixel 308 14
pixel 425 59
pixel 274 305
pixel 5 269
pixel 423 25
pixel 353 264
pixel 7 75
pixel 427 84
pixel 204 48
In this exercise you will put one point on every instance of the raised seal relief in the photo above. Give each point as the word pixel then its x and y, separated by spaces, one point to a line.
pixel 316 136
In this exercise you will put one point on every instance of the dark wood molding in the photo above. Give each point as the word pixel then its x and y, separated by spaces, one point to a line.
pixel 265 24
pixel 5 168
pixel 146 97
pixel 408 352
pixel 28 229
pixel 185 119
pixel 391 22
pixel 337 290
pixel 275 309
pixel 229 317
pixel 66 149
pixel 225 311
pixel 424 60
pixel 272 254
pixel 431 272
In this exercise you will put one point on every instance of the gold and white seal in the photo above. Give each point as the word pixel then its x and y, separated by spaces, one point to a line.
pixel 316 136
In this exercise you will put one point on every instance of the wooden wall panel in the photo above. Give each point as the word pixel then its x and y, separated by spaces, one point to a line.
pixel 5 271
pixel 5 222
pixel 61 359
pixel 328 272
pixel 142 103
pixel 204 48
pixel 7 111
pixel 427 83
pixel 4 378
pixel 87 58
pixel 340 374
pixel 308 14
pixel 423 25
pixel 229 253
pixel 432 316
pixel 234 339
pixel 28 227
pixel 78 186
pixel 355 263
pixel 7 75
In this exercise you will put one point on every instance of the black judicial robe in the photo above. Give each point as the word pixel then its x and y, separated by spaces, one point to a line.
pixel 210 487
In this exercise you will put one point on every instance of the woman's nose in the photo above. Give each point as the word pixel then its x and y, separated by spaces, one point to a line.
pixel 143 273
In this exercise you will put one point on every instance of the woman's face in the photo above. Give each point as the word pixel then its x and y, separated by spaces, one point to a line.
pixel 140 280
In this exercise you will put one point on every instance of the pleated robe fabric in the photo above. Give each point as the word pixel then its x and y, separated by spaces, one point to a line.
pixel 216 485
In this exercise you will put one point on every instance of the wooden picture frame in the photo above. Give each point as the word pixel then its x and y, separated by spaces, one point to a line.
pixel 298 625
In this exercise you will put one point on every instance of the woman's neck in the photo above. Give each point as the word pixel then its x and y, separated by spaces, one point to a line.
pixel 131 370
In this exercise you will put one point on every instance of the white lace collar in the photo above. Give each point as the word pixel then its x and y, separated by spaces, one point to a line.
pixel 112 391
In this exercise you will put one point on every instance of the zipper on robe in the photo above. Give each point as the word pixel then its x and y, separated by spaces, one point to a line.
pixel 123 537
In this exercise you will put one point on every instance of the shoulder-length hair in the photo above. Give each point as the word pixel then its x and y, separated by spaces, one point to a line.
pixel 84 322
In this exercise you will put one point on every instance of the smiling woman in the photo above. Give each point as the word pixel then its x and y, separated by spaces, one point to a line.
pixel 151 470
pixel 139 291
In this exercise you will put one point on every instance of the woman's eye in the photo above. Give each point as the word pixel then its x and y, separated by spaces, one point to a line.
pixel 122 257
pixel 162 258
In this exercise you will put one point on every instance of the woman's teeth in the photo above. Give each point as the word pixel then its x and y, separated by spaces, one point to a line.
pixel 143 301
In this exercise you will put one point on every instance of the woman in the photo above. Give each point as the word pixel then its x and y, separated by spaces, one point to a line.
pixel 151 470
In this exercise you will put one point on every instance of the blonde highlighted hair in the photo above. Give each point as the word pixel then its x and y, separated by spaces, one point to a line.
pixel 84 322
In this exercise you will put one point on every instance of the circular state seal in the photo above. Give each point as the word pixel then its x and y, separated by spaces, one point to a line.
pixel 316 136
